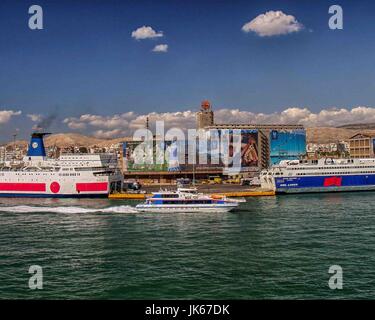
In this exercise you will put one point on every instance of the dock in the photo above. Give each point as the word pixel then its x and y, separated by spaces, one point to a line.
pixel 128 196
pixel 245 194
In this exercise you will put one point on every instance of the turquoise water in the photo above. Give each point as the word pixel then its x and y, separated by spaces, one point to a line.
pixel 272 247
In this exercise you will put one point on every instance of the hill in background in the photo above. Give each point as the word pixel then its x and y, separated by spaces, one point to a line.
pixel 359 126
pixel 314 135
pixel 63 140
pixel 330 134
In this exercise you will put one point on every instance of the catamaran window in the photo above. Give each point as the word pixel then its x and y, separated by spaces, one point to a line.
pixel 168 196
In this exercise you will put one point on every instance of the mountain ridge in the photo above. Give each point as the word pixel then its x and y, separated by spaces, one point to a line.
pixel 63 140
pixel 313 135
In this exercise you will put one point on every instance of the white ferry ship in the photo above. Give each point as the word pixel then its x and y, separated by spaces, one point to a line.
pixel 186 200
pixel 71 175
pixel 323 175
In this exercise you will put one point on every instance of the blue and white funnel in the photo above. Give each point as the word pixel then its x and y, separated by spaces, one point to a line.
pixel 36 146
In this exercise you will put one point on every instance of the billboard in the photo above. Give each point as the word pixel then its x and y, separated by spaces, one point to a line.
pixel 287 145
pixel 249 154
pixel 249 148
pixel 217 144
pixel 172 156
pixel 179 155
pixel 134 161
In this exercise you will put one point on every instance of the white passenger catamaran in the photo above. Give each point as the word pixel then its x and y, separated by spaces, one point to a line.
pixel 186 200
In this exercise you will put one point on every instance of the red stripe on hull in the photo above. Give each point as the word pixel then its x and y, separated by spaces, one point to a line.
pixel 333 182
pixel 93 186
pixel 27 187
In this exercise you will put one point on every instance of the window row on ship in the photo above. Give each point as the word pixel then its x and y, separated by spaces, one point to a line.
pixel 187 201
pixel 335 173
pixel 56 169
pixel 333 168
pixel 46 174
pixel 324 172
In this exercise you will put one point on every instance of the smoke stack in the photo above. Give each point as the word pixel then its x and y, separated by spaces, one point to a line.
pixel 36 146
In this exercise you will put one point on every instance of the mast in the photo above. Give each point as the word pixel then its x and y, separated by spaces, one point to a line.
pixel 194 174
pixel 14 146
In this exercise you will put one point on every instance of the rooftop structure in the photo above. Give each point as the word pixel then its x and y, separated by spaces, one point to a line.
pixel 205 117
pixel 257 126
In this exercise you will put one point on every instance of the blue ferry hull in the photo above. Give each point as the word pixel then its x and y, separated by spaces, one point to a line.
pixel 339 183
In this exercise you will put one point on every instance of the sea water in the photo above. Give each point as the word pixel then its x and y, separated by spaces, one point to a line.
pixel 270 247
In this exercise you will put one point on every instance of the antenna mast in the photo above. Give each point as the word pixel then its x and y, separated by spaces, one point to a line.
pixel 14 145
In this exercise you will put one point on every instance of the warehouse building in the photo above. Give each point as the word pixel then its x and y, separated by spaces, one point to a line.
pixel 362 146
pixel 274 142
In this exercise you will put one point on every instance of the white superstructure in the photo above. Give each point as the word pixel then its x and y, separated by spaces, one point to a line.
pixel 71 175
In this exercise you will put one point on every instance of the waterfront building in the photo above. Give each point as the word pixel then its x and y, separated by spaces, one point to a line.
pixel 275 142
pixel 362 146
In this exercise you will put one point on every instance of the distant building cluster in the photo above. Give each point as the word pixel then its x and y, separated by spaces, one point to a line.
pixel 9 153
pixel 17 152
pixel 358 146
pixel 334 149
pixel 262 145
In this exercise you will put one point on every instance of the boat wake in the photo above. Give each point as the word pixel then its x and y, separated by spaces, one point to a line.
pixel 35 209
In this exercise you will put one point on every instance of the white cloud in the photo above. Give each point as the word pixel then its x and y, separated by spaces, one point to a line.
pixel 6 115
pixel 101 124
pixel 109 134
pixel 125 124
pixel 332 117
pixel 160 48
pixel 109 122
pixel 75 125
pixel 146 33
pixel 182 120
pixel 35 117
pixel 273 23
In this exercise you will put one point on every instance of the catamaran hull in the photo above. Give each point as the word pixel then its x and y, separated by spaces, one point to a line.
pixel 185 208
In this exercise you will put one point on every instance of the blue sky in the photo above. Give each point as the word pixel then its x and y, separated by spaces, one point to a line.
pixel 86 62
